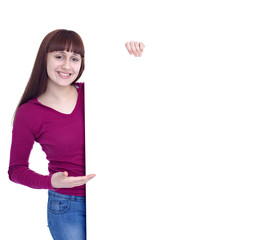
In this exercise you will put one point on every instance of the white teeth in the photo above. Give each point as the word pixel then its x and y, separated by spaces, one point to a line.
pixel 64 74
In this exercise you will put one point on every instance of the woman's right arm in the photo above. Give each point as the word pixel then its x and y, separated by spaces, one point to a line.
pixel 21 146
pixel 19 172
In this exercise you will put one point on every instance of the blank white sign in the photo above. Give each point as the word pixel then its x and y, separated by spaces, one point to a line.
pixel 172 136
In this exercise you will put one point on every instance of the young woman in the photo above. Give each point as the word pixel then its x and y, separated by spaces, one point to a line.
pixel 51 112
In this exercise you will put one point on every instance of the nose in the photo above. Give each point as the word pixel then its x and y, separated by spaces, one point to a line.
pixel 66 64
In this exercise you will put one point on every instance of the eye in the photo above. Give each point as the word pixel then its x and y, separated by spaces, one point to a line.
pixel 58 57
pixel 75 59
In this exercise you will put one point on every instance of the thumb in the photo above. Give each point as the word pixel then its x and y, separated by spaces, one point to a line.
pixel 65 174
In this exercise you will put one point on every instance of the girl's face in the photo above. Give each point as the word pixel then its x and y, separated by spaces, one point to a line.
pixel 63 67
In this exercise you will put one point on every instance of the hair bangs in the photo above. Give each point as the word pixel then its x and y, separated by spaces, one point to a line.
pixel 65 40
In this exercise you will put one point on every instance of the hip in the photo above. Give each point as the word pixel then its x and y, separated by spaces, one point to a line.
pixel 66 216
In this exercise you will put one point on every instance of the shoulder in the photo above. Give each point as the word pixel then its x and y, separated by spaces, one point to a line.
pixel 80 85
pixel 22 121
pixel 30 111
pixel 30 116
pixel 27 108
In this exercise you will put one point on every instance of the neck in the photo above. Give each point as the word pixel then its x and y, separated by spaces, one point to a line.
pixel 58 93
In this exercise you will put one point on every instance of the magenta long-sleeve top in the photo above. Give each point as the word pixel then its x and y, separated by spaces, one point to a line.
pixel 61 136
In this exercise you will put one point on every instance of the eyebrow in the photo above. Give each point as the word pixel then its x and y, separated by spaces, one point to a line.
pixel 72 52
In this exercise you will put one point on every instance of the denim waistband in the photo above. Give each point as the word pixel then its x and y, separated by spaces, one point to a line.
pixel 68 197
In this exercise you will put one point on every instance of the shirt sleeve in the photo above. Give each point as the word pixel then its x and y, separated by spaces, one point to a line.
pixel 21 146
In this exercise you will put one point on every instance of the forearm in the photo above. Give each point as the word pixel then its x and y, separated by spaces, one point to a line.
pixel 23 175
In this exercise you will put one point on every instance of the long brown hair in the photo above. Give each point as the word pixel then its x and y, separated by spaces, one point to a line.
pixel 58 40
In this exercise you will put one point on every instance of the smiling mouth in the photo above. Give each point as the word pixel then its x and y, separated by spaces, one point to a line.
pixel 64 74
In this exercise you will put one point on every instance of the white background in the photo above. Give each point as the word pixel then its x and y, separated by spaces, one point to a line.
pixel 172 136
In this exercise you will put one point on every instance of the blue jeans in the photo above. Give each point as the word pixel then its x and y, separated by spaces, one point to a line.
pixel 66 216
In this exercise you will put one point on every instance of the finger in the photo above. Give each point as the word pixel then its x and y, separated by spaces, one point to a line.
pixel 81 178
pixel 89 178
pixel 65 174
pixel 75 181
pixel 136 44
pixel 132 46
pixel 139 52
pixel 91 175
pixel 141 46
pixel 127 45
pixel 78 181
